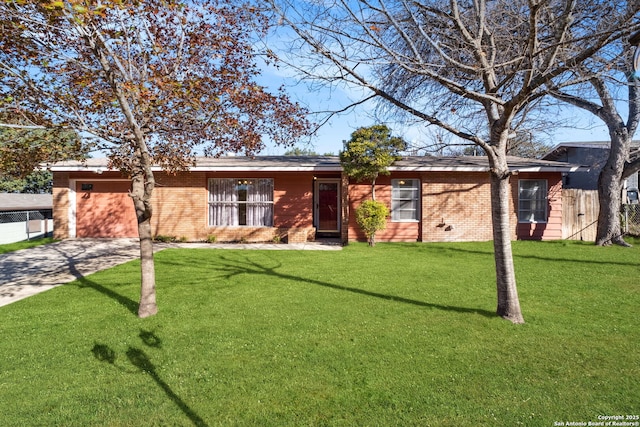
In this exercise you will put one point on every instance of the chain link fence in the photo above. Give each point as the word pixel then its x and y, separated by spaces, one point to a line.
pixel 631 219
pixel 16 226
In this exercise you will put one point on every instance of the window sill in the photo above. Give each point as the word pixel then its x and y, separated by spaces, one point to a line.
pixel 241 226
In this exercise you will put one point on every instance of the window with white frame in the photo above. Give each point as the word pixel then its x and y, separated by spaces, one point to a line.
pixel 405 200
pixel 244 201
pixel 532 200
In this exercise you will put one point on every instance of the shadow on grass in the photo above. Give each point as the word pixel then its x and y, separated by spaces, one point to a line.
pixel 83 282
pixel 139 359
pixel 128 303
pixel 234 267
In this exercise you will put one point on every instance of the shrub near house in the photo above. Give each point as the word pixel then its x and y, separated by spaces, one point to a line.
pixel 372 216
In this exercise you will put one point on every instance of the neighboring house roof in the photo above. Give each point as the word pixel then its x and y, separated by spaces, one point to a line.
pixel 559 150
pixel 332 164
pixel 25 202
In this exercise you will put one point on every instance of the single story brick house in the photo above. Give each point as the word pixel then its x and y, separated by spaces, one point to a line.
pixel 300 198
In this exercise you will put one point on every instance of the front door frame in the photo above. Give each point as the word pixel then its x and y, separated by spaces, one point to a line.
pixel 316 204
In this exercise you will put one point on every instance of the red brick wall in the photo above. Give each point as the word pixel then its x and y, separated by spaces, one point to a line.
pixel 293 200
pixel 61 205
pixel 181 209
pixel 457 207
pixel 180 205
pixel 454 206
pixel 395 231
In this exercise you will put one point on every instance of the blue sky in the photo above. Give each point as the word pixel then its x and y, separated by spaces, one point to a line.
pixel 330 136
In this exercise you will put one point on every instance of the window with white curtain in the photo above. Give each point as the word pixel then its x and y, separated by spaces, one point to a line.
pixel 405 200
pixel 241 201
pixel 532 200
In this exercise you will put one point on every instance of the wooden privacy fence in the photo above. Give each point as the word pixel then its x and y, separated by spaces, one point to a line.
pixel 579 214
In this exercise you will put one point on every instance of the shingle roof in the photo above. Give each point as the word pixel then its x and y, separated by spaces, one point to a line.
pixel 269 163
pixel 332 163
pixel 25 202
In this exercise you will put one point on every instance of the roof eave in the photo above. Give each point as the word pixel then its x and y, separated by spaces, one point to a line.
pixel 569 168
pixel 309 168
pixel 547 169
pixel 438 169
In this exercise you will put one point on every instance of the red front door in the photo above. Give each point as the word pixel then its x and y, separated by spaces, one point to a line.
pixel 328 206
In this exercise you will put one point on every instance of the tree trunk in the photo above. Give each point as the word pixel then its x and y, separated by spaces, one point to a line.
pixel 372 239
pixel 508 302
pixel 141 190
pixel 373 189
pixel 147 305
pixel 610 190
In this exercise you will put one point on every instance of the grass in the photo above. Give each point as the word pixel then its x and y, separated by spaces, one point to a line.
pixel 399 334
pixel 25 244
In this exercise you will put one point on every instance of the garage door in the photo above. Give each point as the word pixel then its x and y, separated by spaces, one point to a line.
pixel 104 209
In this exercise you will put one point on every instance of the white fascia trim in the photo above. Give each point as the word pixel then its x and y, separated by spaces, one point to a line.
pixel 263 169
pixel 98 169
pixel 482 169
pixel 438 169
pixel 549 169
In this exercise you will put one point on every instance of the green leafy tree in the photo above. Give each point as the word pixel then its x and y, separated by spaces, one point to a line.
pixel 37 182
pixel 369 153
pixel 24 150
pixel 371 217
pixel 154 81
pixel 297 151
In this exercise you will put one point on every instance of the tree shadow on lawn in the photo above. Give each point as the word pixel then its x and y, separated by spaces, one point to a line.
pixel 231 267
pixel 139 359
pixel 84 282
pixel 72 261
pixel 126 302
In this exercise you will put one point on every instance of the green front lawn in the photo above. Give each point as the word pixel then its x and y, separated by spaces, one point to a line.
pixel 25 244
pixel 399 334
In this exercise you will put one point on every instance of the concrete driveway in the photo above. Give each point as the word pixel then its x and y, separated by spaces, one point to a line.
pixel 30 271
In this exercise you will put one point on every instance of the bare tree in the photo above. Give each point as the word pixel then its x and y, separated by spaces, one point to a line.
pixel 153 80
pixel 603 80
pixel 472 68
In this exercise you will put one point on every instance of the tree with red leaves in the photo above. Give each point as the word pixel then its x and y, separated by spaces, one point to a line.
pixel 151 81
